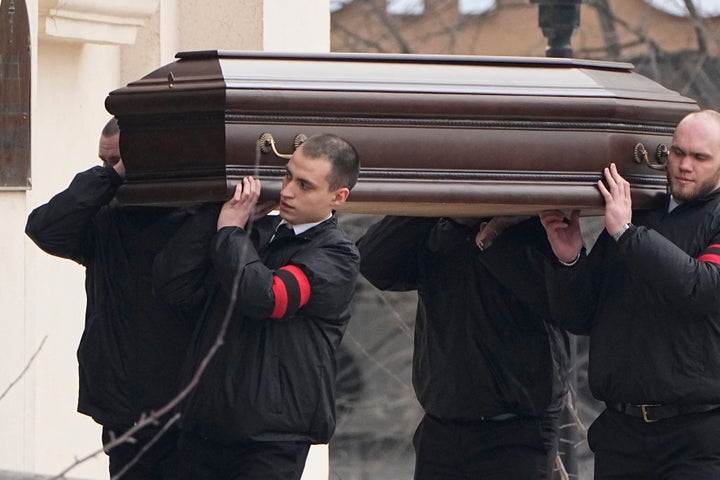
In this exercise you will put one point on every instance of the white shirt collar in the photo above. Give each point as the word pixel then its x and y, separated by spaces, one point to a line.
pixel 303 227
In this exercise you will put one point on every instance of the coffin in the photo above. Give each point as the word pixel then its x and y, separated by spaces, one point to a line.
pixel 436 135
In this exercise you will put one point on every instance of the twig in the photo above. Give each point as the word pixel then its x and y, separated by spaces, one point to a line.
pixel 379 365
pixel 406 329
pixel 24 371
pixel 154 416
pixel 561 468
pixel 575 416
pixel 147 446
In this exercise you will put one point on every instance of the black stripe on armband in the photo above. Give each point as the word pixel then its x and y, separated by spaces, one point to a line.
pixel 292 290
pixel 711 254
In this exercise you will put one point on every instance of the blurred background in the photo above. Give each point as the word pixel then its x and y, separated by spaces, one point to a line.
pixel 674 42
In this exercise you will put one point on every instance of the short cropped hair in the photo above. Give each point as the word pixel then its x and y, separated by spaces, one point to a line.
pixel 342 156
pixel 111 128
pixel 711 114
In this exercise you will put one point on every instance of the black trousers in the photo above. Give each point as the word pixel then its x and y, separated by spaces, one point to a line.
pixel 515 449
pixel 160 462
pixel 203 459
pixel 679 448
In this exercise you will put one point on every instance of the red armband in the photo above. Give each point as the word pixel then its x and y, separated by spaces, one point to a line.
pixel 711 254
pixel 292 291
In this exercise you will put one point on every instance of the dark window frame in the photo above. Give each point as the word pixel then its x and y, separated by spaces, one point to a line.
pixel 15 78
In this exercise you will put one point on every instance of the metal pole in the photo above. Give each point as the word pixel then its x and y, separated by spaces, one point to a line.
pixel 558 20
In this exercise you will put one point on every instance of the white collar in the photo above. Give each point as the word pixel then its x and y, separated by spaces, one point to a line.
pixel 302 227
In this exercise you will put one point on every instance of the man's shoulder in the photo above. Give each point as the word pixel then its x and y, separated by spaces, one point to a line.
pixel 332 233
pixel 329 236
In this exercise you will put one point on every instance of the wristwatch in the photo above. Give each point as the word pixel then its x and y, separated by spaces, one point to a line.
pixel 621 231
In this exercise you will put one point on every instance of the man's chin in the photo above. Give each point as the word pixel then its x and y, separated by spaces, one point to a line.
pixel 682 196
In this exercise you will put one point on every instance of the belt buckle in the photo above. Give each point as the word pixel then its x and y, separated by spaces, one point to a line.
pixel 644 410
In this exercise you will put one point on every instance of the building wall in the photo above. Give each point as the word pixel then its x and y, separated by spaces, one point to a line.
pixel 81 51
pixel 360 26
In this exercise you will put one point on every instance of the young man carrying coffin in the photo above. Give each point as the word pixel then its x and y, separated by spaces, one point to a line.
pixel 285 286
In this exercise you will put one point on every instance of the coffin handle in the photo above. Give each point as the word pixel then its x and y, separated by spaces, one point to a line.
pixel 640 155
pixel 266 142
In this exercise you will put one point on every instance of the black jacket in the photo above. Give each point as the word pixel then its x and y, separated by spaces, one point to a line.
pixel 483 344
pixel 133 346
pixel 273 379
pixel 651 306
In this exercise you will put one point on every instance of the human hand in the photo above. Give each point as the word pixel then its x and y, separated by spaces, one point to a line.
pixel 502 222
pixel 564 235
pixel 237 211
pixel 490 230
pixel 262 209
pixel 120 168
pixel 618 203
pixel 117 164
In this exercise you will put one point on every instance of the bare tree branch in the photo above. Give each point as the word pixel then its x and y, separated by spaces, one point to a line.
pixel 607 24
pixel 366 43
pixel 570 404
pixel 147 447
pixel 561 468
pixel 697 25
pixel 153 418
pixel 639 33
pixel 378 364
pixel 27 367
pixel 392 29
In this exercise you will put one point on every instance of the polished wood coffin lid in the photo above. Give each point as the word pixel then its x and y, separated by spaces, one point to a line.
pixel 436 135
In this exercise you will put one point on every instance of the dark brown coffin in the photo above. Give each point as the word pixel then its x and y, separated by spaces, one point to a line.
pixel 437 135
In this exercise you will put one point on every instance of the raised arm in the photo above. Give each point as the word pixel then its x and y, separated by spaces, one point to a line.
pixel 319 278
pixel 517 259
pixel 571 277
pixel 64 226
pixel 389 251
pixel 181 268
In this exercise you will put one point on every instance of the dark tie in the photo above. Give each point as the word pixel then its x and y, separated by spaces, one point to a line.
pixel 284 230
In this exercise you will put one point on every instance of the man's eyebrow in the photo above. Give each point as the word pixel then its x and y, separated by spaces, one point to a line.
pixel 306 181
pixel 692 153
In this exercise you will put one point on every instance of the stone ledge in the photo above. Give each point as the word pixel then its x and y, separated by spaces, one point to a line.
pixel 9 475
pixel 94 21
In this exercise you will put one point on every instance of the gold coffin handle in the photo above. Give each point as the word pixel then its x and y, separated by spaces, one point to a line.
pixel 266 142
pixel 640 155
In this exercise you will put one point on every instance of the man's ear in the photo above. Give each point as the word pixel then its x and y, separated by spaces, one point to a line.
pixel 339 196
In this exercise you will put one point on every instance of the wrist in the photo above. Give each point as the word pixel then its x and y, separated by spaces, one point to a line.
pixel 483 244
pixel 571 262
pixel 483 241
pixel 622 231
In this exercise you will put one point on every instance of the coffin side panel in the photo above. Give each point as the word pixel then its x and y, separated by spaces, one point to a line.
pixel 435 135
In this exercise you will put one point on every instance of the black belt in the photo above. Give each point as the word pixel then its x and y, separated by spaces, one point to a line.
pixel 653 413
pixel 500 418
pixel 496 418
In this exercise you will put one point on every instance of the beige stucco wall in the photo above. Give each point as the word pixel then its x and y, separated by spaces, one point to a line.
pixel 269 25
pixel 82 51
pixel 71 84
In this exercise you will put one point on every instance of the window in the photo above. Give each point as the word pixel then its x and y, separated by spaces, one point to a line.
pixel 405 7
pixel 14 96
pixel 705 8
pixel 476 7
